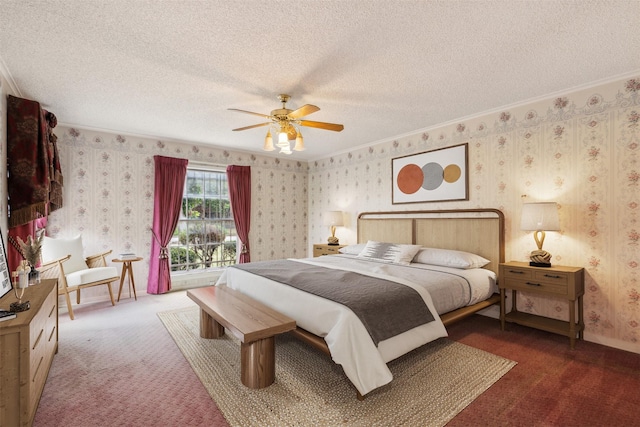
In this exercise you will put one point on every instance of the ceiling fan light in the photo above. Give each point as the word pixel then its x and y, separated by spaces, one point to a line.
pixel 285 150
pixel 268 142
pixel 283 138
pixel 299 143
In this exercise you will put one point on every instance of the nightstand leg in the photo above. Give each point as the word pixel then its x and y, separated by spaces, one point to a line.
pixel 572 324
pixel 580 318
pixel 503 302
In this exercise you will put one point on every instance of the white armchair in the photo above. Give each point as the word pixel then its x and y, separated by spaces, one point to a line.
pixel 63 259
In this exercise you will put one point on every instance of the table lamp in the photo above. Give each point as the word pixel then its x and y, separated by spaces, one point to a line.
pixel 540 217
pixel 333 219
pixel 21 281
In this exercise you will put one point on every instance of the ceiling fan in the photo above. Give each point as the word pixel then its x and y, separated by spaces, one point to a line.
pixel 286 123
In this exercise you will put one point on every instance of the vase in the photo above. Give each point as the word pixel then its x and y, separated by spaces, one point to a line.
pixel 34 276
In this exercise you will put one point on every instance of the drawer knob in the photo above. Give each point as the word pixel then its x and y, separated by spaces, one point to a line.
pixel 516 271
pixel 533 284
pixel 551 276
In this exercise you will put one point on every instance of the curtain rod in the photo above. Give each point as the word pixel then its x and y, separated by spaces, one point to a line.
pixel 206 165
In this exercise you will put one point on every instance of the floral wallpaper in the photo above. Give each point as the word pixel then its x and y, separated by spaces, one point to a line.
pixel 109 188
pixel 580 149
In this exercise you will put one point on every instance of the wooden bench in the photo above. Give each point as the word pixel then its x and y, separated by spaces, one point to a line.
pixel 253 323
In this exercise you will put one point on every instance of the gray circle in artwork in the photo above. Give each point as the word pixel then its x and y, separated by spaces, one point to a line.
pixel 433 176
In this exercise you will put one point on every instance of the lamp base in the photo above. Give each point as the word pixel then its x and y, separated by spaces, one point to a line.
pixel 539 264
pixel 540 258
pixel 333 241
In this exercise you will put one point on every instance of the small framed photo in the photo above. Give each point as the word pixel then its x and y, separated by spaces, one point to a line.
pixel 432 176
pixel 5 274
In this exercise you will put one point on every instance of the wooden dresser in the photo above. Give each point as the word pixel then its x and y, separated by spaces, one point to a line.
pixel 27 346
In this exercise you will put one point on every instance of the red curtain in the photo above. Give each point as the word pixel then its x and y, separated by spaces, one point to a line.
pixel 169 177
pixel 240 193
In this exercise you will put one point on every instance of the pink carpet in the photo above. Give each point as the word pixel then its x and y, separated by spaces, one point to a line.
pixel 118 366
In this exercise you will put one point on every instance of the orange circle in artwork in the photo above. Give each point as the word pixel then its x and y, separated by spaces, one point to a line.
pixel 410 178
pixel 452 173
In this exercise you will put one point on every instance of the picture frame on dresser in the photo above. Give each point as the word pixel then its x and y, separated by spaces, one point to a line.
pixel 5 274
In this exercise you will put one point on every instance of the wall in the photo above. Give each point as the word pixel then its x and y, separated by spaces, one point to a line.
pixel 580 149
pixel 6 88
pixel 109 187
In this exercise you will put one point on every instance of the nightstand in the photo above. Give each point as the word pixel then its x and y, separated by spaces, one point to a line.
pixel 321 249
pixel 556 281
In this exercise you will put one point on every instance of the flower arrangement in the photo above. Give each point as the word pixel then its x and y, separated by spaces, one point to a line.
pixel 32 248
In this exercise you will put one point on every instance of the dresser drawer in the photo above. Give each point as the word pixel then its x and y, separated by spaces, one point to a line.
pixel 42 337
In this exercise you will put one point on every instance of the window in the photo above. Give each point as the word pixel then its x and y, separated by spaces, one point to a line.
pixel 205 236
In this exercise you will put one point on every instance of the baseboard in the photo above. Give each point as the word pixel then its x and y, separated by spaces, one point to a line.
pixel 612 342
pixel 185 281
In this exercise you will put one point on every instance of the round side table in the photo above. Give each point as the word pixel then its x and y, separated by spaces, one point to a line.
pixel 127 268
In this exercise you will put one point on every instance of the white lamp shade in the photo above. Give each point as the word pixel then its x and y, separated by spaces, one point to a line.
pixel 283 139
pixel 299 142
pixel 268 142
pixel 285 150
pixel 333 218
pixel 541 216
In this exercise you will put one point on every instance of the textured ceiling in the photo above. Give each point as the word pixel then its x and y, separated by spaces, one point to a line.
pixel 171 69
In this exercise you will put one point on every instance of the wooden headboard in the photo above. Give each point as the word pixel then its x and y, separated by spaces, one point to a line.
pixel 479 231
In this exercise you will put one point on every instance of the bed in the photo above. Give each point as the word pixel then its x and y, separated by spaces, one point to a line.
pixel 338 332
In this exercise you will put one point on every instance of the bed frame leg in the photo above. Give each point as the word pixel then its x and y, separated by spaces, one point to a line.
pixel 359 396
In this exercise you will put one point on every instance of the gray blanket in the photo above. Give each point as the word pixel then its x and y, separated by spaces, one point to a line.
pixel 385 308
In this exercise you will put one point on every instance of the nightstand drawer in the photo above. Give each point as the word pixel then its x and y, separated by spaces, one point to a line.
pixel 325 249
pixel 552 277
pixel 536 275
pixel 517 273
pixel 533 285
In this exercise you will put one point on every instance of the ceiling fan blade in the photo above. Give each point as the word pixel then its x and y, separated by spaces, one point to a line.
pixel 253 126
pixel 305 110
pixel 266 116
pixel 322 125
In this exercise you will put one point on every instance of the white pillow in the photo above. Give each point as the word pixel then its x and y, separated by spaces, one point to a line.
pixel 389 252
pixel 53 249
pixel 352 249
pixel 450 258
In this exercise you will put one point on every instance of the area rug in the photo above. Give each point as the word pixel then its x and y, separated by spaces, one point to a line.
pixel 431 384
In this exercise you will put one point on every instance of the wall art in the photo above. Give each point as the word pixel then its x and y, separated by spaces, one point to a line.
pixel 432 176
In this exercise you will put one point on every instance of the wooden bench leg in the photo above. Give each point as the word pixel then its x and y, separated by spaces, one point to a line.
pixel 258 363
pixel 209 328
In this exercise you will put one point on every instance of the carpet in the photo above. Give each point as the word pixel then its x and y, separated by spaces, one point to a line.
pixel 430 386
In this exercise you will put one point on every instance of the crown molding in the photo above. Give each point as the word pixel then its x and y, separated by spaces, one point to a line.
pixel 563 92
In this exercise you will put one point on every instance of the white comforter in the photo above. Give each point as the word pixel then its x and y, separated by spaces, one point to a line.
pixel 347 339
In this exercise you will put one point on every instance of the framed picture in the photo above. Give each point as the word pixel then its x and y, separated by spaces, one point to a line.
pixel 433 176
pixel 5 274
